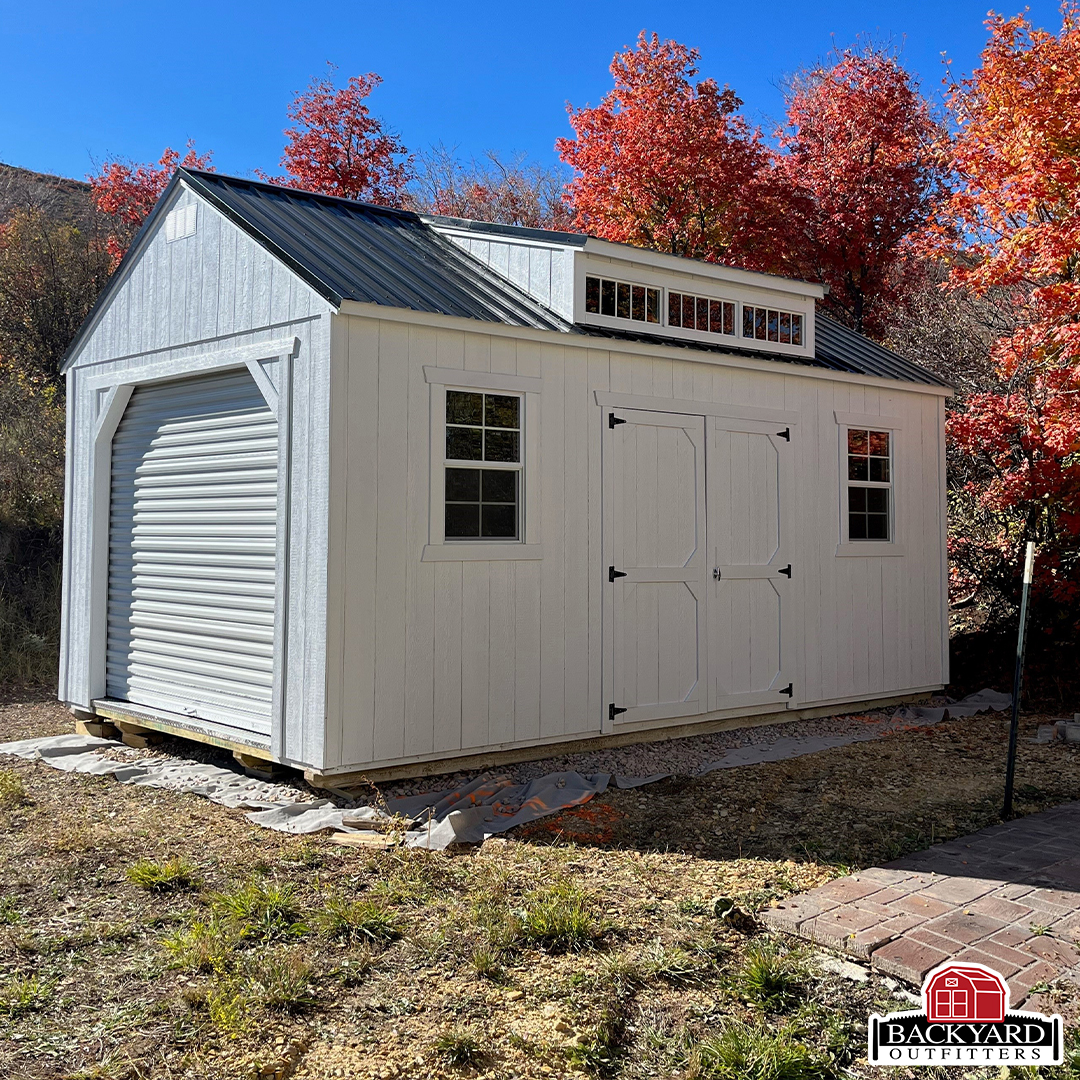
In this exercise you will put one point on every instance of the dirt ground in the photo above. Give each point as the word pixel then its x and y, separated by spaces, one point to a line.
pixel 588 944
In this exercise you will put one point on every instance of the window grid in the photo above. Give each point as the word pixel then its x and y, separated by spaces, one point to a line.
pixel 701 313
pixel 769 324
pixel 869 484
pixel 482 501
pixel 622 300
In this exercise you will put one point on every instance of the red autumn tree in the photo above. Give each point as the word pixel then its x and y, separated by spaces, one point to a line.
pixel 668 163
pixel 860 172
pixel 1012 224
pixel 127 192
pixel 336 147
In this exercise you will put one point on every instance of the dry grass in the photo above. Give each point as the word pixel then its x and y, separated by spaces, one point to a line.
pixel 150 934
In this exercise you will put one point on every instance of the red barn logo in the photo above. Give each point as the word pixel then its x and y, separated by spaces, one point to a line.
pixel 961 993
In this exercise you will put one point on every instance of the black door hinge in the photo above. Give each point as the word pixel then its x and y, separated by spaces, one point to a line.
pixel 613 420
pixel 786 571
pixel 789 690
pixel 612 573
pixel 613 710
pixel 785 434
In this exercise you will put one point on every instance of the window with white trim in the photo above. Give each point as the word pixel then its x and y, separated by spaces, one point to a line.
pixel 622 300
pixel 483 466
pixel 766 324
pixel 869 484
pixel 701 313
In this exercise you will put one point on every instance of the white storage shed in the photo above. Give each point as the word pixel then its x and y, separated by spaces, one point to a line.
pixel 355 490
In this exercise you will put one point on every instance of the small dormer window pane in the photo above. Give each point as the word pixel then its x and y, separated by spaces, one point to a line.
pixel 785 328
pixel 774 325
pixel 796 329
pixel 622 307
pixel 702 314
pixel 592 295
pixel 729 319
pixel 760 317
pixel 688 312
pixel 607 298
pixel 652 310
pixel 638 312
pixel 747 321
pixel 674 316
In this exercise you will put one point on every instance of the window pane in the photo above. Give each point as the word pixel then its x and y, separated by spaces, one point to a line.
pixel 462 408
pixel 622 308
pixel 501 411
pixel 499 521
pixel 785 327
pixel 688 312
pixel 856 468
pixel 857 527
pixel 856 441
pixel 674 304
pixel 702 313
pixel 760 317
pixel 639 303
pixel 877 500
pixel 729 318
pixel 462 520
pixel 877 527
pixel 747 321
pixel 857 499
pixel 879 469
pixel 607 298
pixel 774 325
pixel 652 313
pixel 716 317
pixel 592 295
pixel 796 330
pixel 499 486
pixel 464 444
pixel 879 443
pixel 462 485
pixel 501 446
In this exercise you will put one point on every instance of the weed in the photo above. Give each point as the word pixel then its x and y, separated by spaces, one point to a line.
pixel 459 1047
pixel 175 875
pixel 24 993
pixel 261 911
pixel 280 983
pixel 693 905
pixel 770 978
pixel 354 968
pixel 485 963
pixel 1039 930
pixel 12 791
pixel 353 921
pixel 227 1005
pixel 561 919
pixel 10 913
pixel 757 1052
pixel 203 946
pixel 675 964
pixel 600 1046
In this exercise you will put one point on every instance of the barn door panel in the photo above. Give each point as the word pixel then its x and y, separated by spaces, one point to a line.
pixel 750 619
pixel 654 480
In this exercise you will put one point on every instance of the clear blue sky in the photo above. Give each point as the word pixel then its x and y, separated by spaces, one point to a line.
pixel 82 82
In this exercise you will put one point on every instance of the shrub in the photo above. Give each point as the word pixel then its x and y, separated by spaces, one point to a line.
pixel 757 1052
pixel 175 875
pixel 260 911
pixel 12 791
pixel 202 946
pixel 770 978
pixel 354 921
pixel 281 983
pixel 561 919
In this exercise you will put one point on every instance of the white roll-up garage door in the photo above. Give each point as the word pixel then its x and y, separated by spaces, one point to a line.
pixel 192 555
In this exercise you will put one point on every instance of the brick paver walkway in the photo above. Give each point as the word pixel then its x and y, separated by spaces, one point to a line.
pixel 1007 897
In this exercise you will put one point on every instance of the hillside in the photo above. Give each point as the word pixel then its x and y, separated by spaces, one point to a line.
pixel 60 197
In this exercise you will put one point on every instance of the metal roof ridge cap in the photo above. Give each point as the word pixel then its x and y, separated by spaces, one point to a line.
pixel 498 228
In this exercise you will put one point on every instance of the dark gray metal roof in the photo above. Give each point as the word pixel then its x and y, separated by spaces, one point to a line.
pixel 354 251
pixel 842 349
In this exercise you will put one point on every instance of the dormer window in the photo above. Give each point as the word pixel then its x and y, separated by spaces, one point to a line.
pixel 622 300
pixel 767 324
pixel 701 313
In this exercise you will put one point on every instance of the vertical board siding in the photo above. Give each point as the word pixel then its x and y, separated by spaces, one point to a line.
pixel 206 294
pixel 448 657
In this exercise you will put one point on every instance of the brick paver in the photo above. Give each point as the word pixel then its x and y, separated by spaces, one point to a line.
pixel 1007 897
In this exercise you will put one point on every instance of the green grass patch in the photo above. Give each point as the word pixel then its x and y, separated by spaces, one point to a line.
pixel 771 978
pixel 12 790
pixel 459 1048
pixel 261 910
pixel 561 919
pixel 356 921
pixel 174 875
pixel 758 1052
pixel 204 945
pixel 21 994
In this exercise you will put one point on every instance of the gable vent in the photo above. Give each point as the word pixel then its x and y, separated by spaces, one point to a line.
pixel 181 222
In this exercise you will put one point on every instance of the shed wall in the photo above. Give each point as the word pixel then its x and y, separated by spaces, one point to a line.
pixel 183 306
pixel 426 658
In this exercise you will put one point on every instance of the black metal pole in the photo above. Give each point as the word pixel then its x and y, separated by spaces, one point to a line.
pixel 1018 679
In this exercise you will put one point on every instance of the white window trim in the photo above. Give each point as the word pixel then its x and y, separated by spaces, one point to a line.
pixel 870 548
pixel 528 547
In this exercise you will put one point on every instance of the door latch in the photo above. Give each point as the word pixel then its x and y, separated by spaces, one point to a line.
pixel 786 571
pixel 716 573
pixel 612 573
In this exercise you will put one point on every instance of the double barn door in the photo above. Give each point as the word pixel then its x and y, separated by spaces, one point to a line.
pixel 697 537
